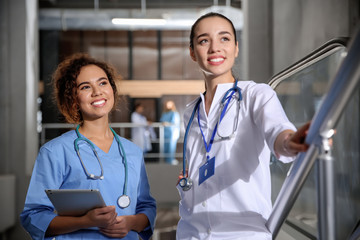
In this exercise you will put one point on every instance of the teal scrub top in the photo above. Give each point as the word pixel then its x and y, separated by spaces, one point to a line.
pixel 58 167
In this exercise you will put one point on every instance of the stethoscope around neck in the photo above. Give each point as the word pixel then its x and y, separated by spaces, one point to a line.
pixel 186 183
pixel 124 199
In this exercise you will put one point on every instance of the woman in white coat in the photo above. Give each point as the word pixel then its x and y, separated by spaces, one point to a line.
pixel 234 126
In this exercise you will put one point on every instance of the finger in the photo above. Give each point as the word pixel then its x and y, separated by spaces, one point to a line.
pixel 113 234
pixel 304 129
pixel 109 217
pixel 296 147
pixel 180 177
pixel 104 210
pixel 182 173
pixel 120 219
pixel 300 134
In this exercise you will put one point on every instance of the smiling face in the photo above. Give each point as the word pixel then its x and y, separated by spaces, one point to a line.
pixel 95 95
pixel 214 46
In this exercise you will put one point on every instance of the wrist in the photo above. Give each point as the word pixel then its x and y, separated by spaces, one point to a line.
pixel 285 145
pixel 140 222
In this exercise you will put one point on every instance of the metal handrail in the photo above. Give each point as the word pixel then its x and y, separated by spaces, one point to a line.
pixel 341 89
pixel 318 54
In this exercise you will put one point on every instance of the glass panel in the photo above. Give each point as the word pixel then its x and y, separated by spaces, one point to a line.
pixel 69 43
pixel 347 168
pixel 301 95
pixel 176 61
pixel 173 54
pixel 145 55
pixel 302 92
pixel 113 47
pixel 117 51
pixel 93 43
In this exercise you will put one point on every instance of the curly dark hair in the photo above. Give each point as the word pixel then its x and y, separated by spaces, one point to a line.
pixel 65 88
pixel 207 15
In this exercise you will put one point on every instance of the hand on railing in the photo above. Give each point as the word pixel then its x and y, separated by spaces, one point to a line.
pixel 290 143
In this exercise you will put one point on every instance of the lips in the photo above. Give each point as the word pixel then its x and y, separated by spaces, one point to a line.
pixel 99 103
pixel 216 60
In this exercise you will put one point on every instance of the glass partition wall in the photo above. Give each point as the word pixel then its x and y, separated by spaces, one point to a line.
pixel 138 55
pixel 301 90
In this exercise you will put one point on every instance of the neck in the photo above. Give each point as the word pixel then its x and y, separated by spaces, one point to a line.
pixel 211 84
pixel 96 129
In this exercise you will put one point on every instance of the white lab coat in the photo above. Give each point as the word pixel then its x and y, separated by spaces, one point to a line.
pixel 235 202
pixel 140 135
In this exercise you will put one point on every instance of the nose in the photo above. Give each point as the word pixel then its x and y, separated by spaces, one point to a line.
pixel 214 46
pixel 96 91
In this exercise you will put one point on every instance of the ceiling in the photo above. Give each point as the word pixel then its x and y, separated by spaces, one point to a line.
pixel 98 14
pixel 126 4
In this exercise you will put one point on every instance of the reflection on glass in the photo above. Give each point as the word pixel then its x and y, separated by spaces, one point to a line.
pixel 301 95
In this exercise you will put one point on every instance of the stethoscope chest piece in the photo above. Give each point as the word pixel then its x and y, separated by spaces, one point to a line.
pixel 123 201
pixel 185 184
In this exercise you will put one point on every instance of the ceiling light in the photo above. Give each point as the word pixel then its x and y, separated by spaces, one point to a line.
pixel 139 21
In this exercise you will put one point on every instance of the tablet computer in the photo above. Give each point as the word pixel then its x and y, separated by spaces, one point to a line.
pixel 75 202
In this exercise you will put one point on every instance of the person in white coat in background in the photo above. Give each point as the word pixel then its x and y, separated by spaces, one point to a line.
pixel 140 133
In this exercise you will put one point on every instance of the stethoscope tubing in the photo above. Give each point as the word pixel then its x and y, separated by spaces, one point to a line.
pixel 235 88
pixel 186 134
pixel 79 138
pixel 101 176
pixel 122 152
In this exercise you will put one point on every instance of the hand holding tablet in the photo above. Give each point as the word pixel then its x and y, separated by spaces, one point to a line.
pixel 75 202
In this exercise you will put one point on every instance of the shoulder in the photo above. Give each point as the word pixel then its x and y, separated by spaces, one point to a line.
pixel 250 89
pixel 56 150
pixel 65 140
pixel 251 86
pixel 190 107
pixel 191 104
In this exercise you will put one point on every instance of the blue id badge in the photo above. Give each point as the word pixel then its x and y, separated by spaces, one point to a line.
pixel 207 170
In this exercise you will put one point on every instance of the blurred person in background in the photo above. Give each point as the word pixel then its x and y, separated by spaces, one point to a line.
pixel 171 120
pixel 140 134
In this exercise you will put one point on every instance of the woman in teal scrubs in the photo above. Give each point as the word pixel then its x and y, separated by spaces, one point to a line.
pixel 86 93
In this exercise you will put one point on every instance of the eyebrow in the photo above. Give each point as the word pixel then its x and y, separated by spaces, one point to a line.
pixel 100 79
pixel 206 34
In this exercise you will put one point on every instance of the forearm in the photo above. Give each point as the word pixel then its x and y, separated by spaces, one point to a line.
pixel 290 143
pixel 139 222
pixel 281 145
pixel 98 217
pixel 66 224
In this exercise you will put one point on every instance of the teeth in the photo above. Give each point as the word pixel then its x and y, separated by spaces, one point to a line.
pixel 98 102
pixel 216 60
